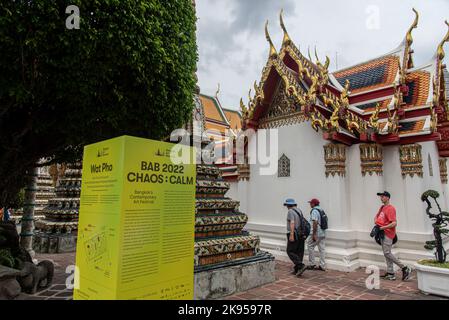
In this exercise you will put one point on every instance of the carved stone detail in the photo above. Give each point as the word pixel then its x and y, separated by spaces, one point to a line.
pixel 335 158
pixel 443 170
pixel 283 166
pixel 371 158
pixel 411 160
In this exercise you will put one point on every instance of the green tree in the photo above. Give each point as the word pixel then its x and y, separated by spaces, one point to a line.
pixel 129 69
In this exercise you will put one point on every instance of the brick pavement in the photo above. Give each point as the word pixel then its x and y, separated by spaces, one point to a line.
pixel 331 285
pixel 313 285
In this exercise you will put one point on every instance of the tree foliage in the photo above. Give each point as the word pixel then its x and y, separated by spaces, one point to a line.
pixel 129 69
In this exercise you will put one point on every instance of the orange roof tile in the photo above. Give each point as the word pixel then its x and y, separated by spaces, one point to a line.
pixel 411 127
pixel 234 118
pixel 371 106
pixel 370 75
pixel 212 109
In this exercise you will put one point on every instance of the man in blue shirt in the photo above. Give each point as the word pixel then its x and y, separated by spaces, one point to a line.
pixel 317 237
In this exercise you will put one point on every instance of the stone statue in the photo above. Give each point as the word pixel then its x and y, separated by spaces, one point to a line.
pixel 34 276
pixel 17 269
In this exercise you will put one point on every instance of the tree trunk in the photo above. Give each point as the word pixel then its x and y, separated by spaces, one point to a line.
pixel 26 234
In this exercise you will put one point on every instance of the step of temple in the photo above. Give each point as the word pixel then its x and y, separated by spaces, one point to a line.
pixel 218 250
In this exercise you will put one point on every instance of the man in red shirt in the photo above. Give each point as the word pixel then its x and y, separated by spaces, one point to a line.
pixel 386 220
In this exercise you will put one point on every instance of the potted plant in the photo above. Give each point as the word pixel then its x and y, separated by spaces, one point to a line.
pixel 433 275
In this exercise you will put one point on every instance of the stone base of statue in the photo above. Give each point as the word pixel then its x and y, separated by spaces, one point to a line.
pixel 54 242
pixel 226 278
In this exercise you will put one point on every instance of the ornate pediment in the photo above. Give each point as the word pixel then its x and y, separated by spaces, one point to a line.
pixel 283 110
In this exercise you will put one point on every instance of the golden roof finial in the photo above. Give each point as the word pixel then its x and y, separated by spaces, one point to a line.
pixel 409 37
pixel 327 63
pixel 316 56
pixel 440 52
pixel 287 40
pixel 273 52
pixel 308 53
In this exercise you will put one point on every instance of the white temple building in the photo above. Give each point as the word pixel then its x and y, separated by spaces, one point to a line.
pixel 343 137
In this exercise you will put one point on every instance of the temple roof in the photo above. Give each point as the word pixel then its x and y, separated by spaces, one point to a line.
pixel 419 89
pixel 213 110
pixel 383 100
pixel 234 118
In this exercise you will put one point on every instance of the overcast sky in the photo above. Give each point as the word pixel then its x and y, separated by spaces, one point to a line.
pixel 233 49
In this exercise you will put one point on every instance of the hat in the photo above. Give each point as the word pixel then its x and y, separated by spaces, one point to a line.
pixel 314 202
pixel 290 202
pixel 385 193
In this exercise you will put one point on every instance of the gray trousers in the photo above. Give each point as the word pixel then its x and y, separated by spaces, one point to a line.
pixel 321 248
pixel 387 244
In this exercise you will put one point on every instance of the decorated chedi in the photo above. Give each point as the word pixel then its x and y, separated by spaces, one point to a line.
pixel 219 235
pixel 223 249
pixel 57 232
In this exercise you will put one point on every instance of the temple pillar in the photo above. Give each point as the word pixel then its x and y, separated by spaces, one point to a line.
pixel 371 174
pixel 335 171
pixel 27 228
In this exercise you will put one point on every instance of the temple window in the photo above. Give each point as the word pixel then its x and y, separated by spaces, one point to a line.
pixel 283 166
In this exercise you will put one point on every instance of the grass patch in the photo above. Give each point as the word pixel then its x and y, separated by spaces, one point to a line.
pixel 433 263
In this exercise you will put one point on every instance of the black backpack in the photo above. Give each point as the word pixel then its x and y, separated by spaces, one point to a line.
pixel 303 229
pixel 323 219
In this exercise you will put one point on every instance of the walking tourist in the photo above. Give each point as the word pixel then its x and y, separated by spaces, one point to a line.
pixel 295 243
pixel 318 222
pixel 386 221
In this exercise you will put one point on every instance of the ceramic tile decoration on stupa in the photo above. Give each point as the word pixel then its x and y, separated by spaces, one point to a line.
pixel 219 235
pixel 45 191
pixel 57 232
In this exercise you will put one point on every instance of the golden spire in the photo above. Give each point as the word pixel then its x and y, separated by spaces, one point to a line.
pixel 407 61
pixel 287 40
pixel 316 56
pixel 218 90
pixel 440 51
pixel 273 52
pixel 308 53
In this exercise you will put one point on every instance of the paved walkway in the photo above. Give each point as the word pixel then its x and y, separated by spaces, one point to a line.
pixel 332 285
pixel 313 285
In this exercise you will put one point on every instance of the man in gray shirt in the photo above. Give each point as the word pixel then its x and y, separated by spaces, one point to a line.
pixel 295 244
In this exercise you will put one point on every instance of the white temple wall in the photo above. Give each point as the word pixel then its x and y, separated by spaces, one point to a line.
pixel 363 199
pixel 350 202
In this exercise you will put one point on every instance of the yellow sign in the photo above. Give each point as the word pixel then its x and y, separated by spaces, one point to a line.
pixel 136 221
